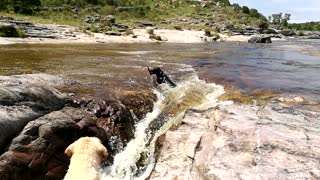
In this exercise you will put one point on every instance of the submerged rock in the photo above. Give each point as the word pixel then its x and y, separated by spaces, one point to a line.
pixel 242 142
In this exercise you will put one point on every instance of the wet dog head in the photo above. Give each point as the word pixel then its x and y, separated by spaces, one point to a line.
pixel 87 145
pixel 155 70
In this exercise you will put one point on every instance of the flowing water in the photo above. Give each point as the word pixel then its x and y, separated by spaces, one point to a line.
pixel 137 160
pixel 98 69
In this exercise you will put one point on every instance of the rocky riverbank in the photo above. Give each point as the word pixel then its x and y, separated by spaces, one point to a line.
pixel 274 141
pixel 38 122
pixel 147 32
pixel 231 141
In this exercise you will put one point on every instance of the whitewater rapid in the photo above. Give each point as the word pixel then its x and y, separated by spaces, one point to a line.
pixel 137 160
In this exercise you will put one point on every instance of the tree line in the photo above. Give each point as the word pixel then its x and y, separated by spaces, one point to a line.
pixel 26 6
pixel 282 20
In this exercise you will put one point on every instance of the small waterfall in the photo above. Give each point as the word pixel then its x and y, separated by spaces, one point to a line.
pixel 137 160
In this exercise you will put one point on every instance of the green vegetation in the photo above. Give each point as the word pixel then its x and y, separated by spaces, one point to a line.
pixel 20 6
pixel 217 36
pixel 11 31
pixel 73 12
pixel 155 37
pixel 129 31
pixel 281 21
pixel 309 26
pixel 221 12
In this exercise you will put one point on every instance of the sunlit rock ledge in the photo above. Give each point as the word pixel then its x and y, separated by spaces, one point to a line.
pixel 242 142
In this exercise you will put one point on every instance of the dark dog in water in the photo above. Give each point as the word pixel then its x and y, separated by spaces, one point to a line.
pixel 161 76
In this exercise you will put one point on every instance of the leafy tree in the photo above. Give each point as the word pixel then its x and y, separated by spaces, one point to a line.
pixel 224 2
pixel 3 4
pixel 281 19
pixel 276 18
pixel 285 19
pixel 236 7
pixel 263 24
pixel 23 6
pixel 245 10
pixel 308 26
pixel 254 13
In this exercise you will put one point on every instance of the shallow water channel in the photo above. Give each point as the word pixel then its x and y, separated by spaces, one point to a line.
pixel 289 66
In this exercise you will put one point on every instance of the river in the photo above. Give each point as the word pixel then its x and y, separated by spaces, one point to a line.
pixel 282 67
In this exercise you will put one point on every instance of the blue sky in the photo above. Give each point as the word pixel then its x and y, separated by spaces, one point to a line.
pixel 300 10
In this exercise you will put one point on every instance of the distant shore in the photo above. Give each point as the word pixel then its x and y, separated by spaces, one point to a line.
pixel 138 36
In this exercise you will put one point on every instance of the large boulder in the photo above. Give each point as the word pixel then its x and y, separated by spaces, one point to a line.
pixel 38 123
pixel 24 98
pixel 9 30
pixel 260 39
pixel 110 18
pixel 38 151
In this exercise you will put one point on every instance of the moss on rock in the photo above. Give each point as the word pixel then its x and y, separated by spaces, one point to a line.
pixel 8 30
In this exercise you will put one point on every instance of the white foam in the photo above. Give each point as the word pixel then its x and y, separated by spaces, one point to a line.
pixel 191 93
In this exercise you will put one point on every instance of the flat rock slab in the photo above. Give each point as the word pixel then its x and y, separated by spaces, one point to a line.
pixel 243 142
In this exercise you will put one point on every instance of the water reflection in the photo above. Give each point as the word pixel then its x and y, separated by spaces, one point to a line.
pixel 282 66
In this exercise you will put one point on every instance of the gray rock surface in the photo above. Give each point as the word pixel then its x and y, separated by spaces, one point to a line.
pixel 24 98
pixel 260 39
pixel 42 31
pixel 288 32
pixel 243 142
pixel 150 30
pixel 145 24
pixel 113 33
